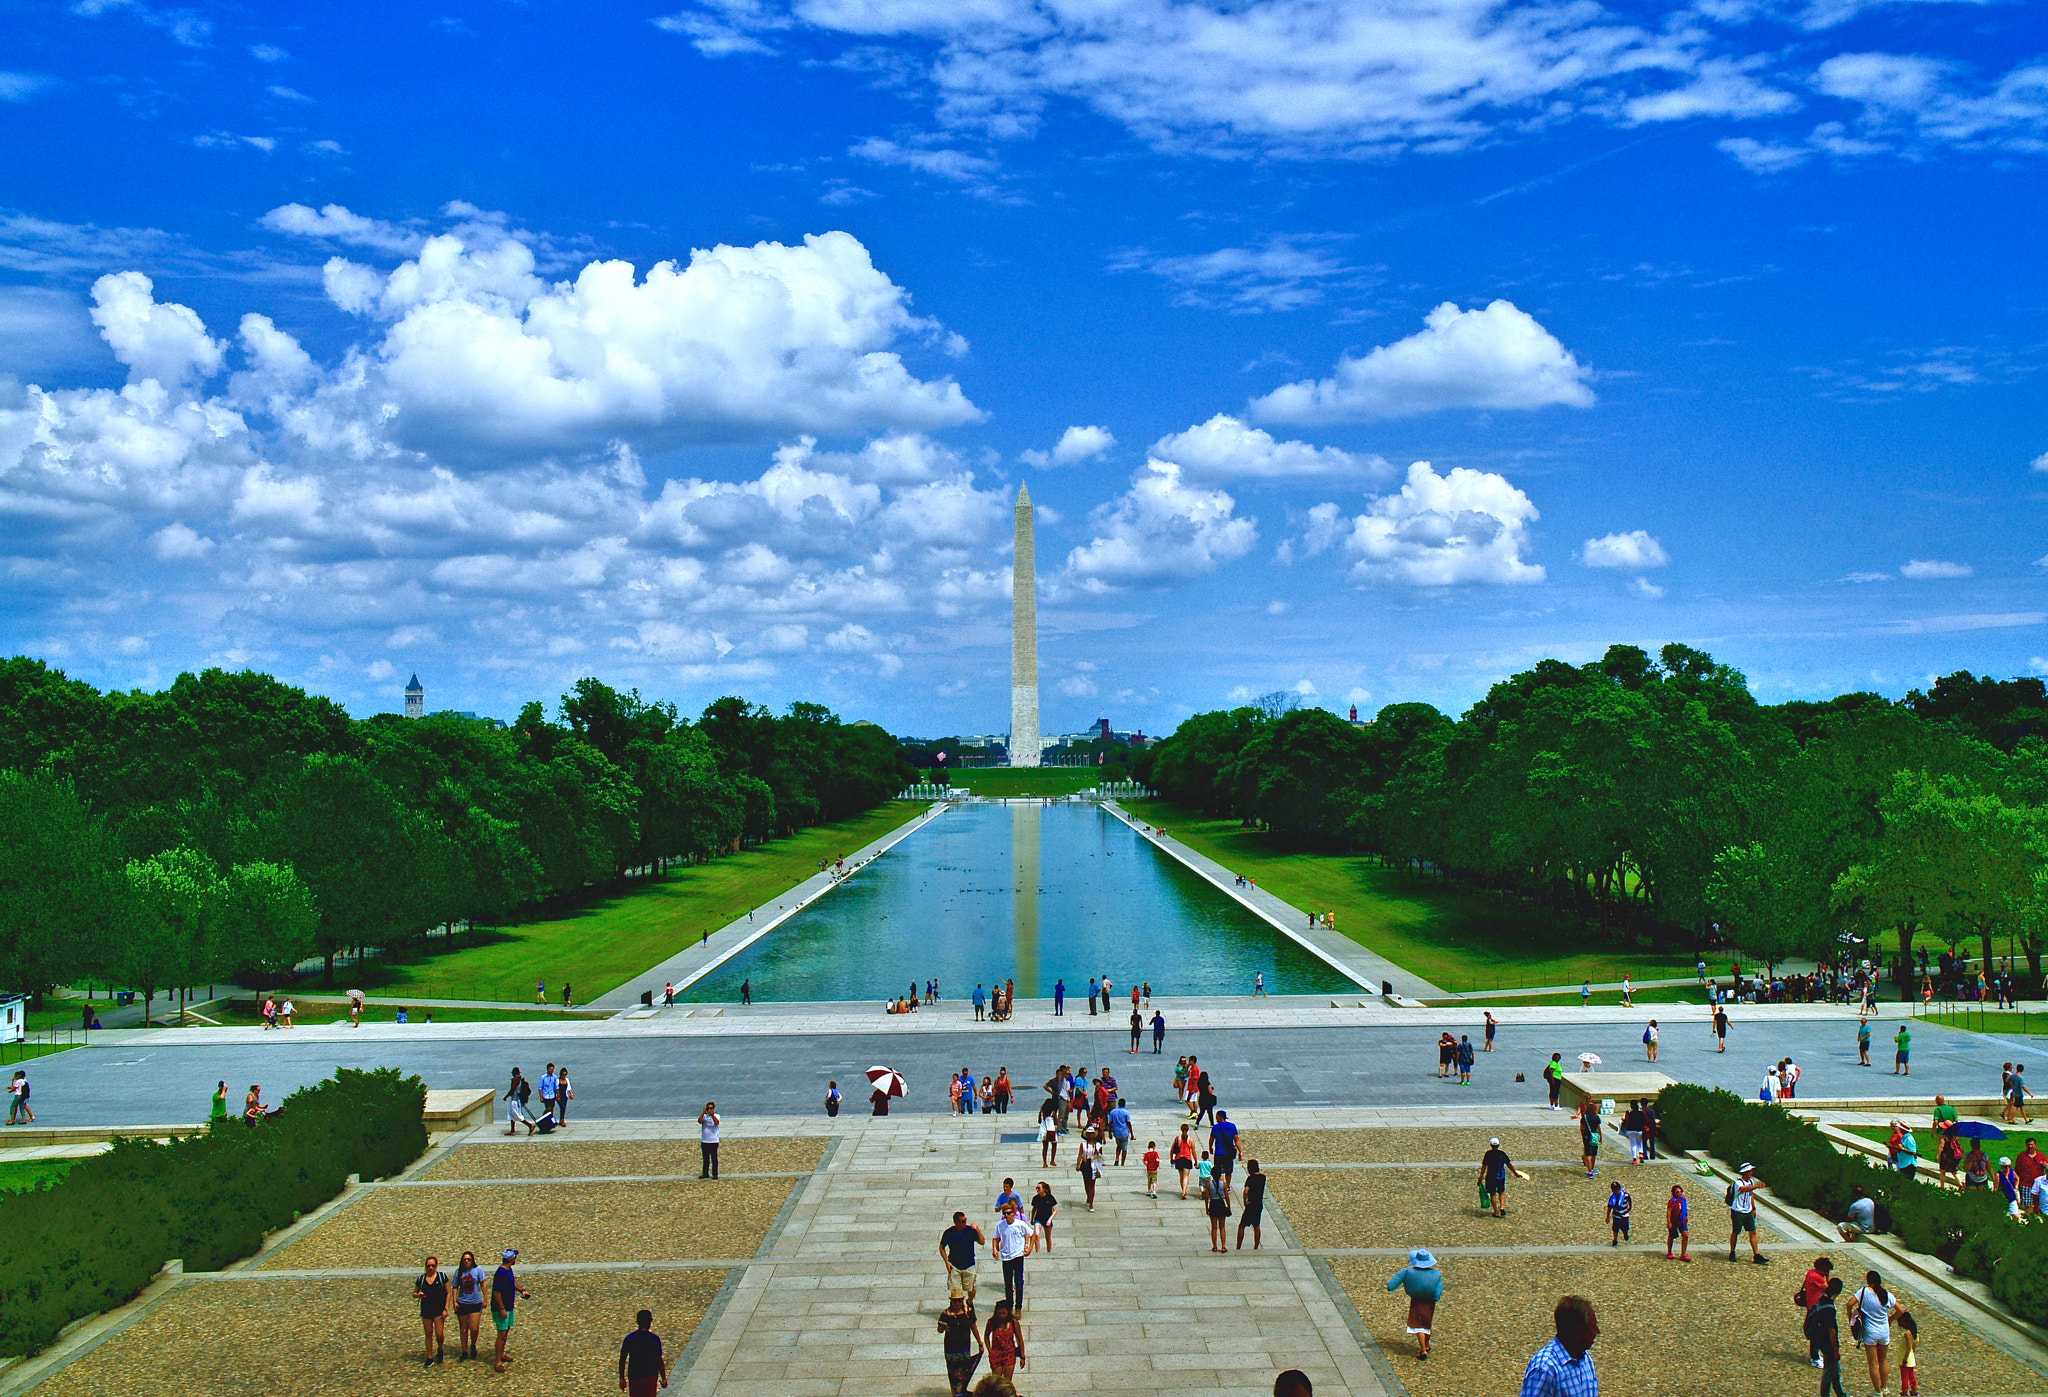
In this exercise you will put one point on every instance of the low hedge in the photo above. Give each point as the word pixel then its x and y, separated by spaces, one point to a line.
pixel 1970 1231
pixel 90 1241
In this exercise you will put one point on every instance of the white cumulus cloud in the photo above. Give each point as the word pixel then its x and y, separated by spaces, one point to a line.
pixel 167 342
pixel 1226 448
pixel 1499 357
pixel 1441 530
pixel 1076 444
pixel 335 223
pixel 1163 529
pixel 1632 551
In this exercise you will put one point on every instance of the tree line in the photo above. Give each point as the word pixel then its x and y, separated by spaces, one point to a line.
pixel 231 825
pixel 1657 799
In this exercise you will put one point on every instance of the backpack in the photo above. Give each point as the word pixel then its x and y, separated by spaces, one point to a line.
pixel 1730 1196
pixel 1646 1035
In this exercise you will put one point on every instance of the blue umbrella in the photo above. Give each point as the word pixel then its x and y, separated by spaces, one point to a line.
pixel 1977 1130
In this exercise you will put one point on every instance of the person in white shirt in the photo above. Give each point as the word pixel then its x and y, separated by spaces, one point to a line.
pixel 1742 1213
pixel 1013 1242
pixel 707 1128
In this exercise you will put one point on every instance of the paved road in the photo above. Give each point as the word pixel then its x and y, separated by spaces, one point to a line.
pixel 668 1076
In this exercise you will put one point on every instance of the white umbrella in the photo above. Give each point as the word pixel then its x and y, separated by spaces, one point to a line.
pixel 889 1080
pixel 1589 1059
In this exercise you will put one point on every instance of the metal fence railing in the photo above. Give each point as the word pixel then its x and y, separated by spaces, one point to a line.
pixel 1980 1018
pixel 41 1042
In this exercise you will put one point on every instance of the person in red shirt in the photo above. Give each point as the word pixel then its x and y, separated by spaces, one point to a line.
pixel 2031 1165
pixel 1152 1168
pixel 1810 1295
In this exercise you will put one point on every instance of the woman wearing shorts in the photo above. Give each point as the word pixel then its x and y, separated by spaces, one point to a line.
pixel 431 1290
pixel 1216 1198
pixel 1183 1152
pixel 469 1305
pixel 1091 1155
pixel 1871 1322
pixel 1044 1208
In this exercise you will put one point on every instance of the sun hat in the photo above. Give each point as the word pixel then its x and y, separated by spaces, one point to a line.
pixel 1421 1260
pixel 957 1293
pixel 510 1252
pixel 2005 1161
pixel 1748 1169
pixel 1495 1142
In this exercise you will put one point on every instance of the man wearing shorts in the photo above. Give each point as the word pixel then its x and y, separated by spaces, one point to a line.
pixel 504 1288
pixel 1902 1052
pixel 1494 1168
pixel 956 1246
pixel 1254 1204
pixel 1742 1214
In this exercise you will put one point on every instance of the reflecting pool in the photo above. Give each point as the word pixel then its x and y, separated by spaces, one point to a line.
pixel 1034 893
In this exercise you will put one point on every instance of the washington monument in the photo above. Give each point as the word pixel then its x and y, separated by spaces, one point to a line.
pixel 1023 642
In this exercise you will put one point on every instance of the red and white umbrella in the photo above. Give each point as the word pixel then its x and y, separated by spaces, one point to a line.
pixel 888 1079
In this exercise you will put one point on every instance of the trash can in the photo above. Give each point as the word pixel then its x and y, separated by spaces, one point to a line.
pixel 647 999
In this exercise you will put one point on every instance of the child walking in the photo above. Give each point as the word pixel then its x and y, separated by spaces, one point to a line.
pixel 1674 1224
pixel 1619 1204
pixel 1908 1330
pixel 1152 1168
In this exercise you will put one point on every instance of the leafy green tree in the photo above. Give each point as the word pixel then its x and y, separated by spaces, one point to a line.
pixel 59 883
pixel 173 933
pixel 270 923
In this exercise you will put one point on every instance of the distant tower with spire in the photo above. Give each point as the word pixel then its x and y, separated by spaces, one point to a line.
pixel 415 699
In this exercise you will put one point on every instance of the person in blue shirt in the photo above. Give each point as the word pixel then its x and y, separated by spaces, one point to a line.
pixel 1424 1285
pixel 1563 1367
pixel 1224 1144
pixel 1093 994
pixel 1059 997
pixel 1009 1195
pixel 1120 1128
pixel 980 1000
pixel 1158 1030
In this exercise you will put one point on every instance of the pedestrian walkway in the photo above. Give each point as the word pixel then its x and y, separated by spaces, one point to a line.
pixel 694 962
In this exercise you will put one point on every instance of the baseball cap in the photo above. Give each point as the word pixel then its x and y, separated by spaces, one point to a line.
pixel 510 1252
pixel 1495 1142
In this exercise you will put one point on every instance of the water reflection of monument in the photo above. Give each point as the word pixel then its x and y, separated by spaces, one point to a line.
pixel 1024 878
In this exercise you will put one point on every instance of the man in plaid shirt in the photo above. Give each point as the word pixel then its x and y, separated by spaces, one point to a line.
pixel 1563 1367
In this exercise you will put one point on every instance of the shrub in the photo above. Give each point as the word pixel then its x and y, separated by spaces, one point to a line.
pixel 91 1240
pixel 1688 1115
pixel 2020 1276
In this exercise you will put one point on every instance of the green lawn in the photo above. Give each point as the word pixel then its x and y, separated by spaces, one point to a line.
pixel 608 941
pixel 1989 1020
pixel 19 1175
pixel 1667 994
pixel 1025 781
pixel 1460 939
pixel 11 1053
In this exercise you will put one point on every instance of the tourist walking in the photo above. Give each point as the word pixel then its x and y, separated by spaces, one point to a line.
pixel 1158 1031
pixel 1015 1240
pixel 1589 1136
pixel 643 1369
pixel 563 1096
pixel 1137 1029
pixel 1494 1168
pixel 506 1292
pixel 1811 1291
pixel 431 1290
pixel 1088 1164
pixel 2016 1094
pixel 1224 1144
pixel 1048 1137
pixel 1119 1119
pixel 1152 1169
pixel 1906 1339
pixel 1252 1202
pixel 1650 1041
pixel 1902 1053
pixel 958 1327
pixel 1044 1208
pixel 832 1098
pixel 1862 1042
pixel 1824 1337
pixel 747 991
pixel 956 1247
pixel 1553 1078
pixel 1870 1325
pixel 1619 1206
pixel 707 1137
pixel 1258 983
pixel 516 1097
pixel 1182 1152
pixel 1423 1284
pixel 1563 1367
pixel 1742 1213
pixel 1005 1340
pixel 1216 1202
pixel 1491 1025
pixel 547 1093
pixel 470 1284
pixel 1720 1029
pixel 1676 1228
pixel 1000 1092
pixel 1464 1055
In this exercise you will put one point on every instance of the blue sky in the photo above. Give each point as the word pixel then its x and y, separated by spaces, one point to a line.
pixel 703 349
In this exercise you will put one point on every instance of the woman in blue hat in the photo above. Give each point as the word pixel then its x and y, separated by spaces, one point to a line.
pixel 1425 1286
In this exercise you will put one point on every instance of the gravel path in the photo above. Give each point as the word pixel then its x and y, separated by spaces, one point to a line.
pixel 536 1158
pixel 546 1222
pixel 1665 1330
pixel 361 1338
